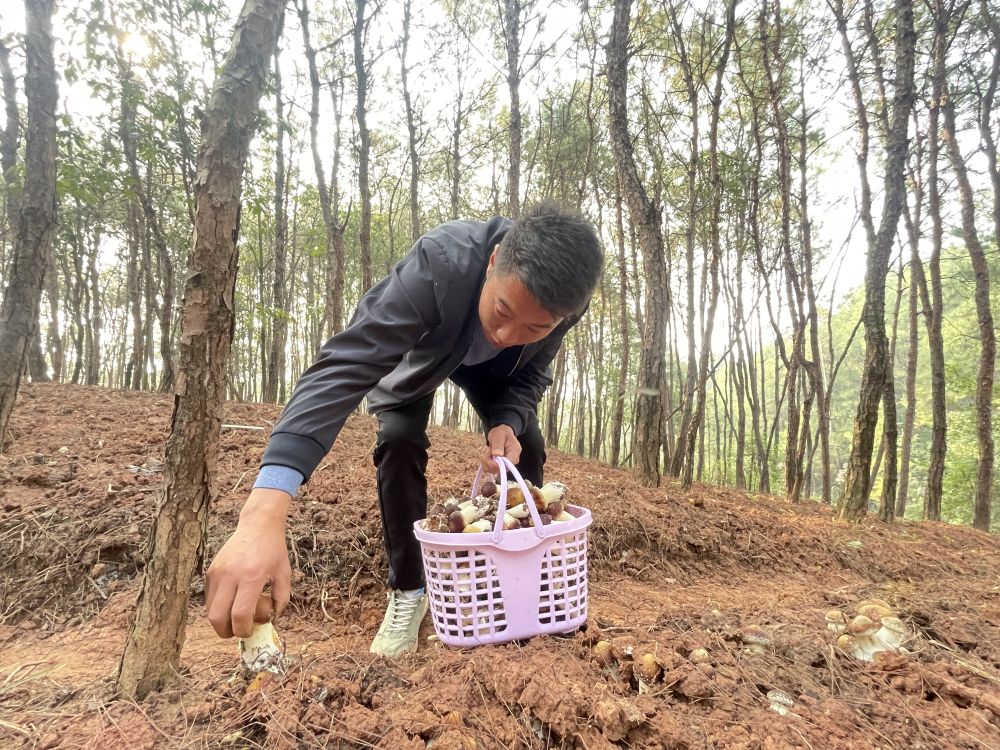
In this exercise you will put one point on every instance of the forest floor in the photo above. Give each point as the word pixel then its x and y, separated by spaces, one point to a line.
pixel 670 571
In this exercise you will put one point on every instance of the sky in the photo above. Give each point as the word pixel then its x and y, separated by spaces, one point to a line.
pixel 836 191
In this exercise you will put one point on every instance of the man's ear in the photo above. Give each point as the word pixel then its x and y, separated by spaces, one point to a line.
pixel 493 259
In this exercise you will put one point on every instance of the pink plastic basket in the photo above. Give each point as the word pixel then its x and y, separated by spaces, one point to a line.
pixel 499 586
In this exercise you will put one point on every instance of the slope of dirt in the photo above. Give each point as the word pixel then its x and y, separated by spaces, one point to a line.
pixel 670 572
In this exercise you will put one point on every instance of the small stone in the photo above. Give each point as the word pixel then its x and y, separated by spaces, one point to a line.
pixel 98 570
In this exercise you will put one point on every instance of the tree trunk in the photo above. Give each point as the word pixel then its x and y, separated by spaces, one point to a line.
pixel 152 651
pixel 645 217
pixel 364 144
pixel 9 143
pixel 279 306
pixel 873 381
pixel 512 43
pixel 935 318
pixel 129 103
pixel 37 217
pixel 987 333
pixel 715 182
pixel 411 128
pixel 333 306
pixel 621 391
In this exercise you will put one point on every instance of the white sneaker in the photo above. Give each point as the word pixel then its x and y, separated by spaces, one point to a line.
pixel 399 633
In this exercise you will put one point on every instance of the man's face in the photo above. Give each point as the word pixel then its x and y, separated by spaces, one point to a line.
pixel 510 314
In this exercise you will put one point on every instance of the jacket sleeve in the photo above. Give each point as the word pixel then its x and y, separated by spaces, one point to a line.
pixel 518 403
pixel 391 318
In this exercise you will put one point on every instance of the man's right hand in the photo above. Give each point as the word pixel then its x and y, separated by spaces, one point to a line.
pixel 254 556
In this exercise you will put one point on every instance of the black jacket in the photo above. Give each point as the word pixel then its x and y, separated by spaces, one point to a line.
pixel 410 332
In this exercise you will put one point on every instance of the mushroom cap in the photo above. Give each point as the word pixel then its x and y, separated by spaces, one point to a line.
pixel 835 615
pixel 648 668
pixel 781 698
pixel 862 626
pixel 875 612
pixel 754 634
pixel 876 602
pixel 846 642
pixel 895 625
pixel 602 652
pixel 699 656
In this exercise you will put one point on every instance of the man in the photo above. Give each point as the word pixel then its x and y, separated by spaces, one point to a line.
pixel 485 304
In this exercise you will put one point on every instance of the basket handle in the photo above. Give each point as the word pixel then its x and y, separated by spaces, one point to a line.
pixel 507 466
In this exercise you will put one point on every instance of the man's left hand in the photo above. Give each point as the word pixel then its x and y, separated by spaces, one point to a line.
pixel 501 441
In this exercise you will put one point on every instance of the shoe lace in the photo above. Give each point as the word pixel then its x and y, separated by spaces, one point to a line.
pixel 403 610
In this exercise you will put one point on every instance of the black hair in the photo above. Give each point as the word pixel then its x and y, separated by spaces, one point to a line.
pixel 555 253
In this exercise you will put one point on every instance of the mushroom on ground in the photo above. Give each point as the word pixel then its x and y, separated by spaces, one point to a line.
pixel 699 656
pixel 835 621
pixel 892 634
pixel 875 612
pixel 781 702
pixel 863 629
pixel 648 668
pixel 262 651
pixel 602 653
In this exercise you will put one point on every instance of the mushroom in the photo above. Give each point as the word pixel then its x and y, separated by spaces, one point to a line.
pixel 699 656
pixel 450 506
pixel 510 523
pixel 438 522
pixel 478 527
pixel 835 621
pixel 545 518
pixel 461 518
pixel 555 508
pixel 875 612
pixel 488 489
pixel 863 629
pixel 876 602
pixel 563 517
pixel 847 643
pixel 262 651
pixel 552 492
pixel 648 668
pixel 781 702
pixel 752 634
pixel 892 633
pixel 602 653
pixel 519 511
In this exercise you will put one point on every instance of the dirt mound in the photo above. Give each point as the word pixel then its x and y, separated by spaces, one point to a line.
pixel 672 573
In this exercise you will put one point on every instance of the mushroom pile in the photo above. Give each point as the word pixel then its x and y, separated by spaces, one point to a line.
pixel 875 628
pixel 479 514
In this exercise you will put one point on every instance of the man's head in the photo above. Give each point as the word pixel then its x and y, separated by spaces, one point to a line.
pixel 545 268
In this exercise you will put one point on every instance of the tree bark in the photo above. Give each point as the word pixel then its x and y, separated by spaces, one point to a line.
pixel 152 651
pixel 715 182
pixel 935 318
pixel 645 216
pixel 512 43
pixel 10 140
pixel 411 128
pixel 364 144
pixel 37 216
pixel 333 307
pixel 279 306
pixel 874 374
pixel 984 315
